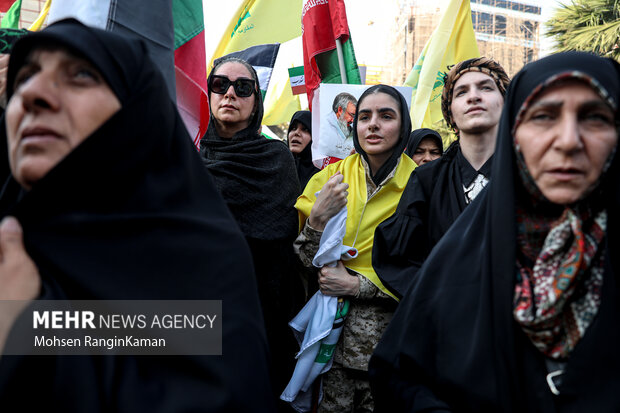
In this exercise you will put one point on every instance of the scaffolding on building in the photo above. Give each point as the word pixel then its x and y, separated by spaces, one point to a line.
pixel 507 31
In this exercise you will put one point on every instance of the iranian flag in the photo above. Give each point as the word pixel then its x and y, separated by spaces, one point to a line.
pixel 190 66
pixel 324 21
pixel 298 84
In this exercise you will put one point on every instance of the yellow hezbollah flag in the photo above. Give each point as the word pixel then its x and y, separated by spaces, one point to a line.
pixel 452 41
pixel 260 22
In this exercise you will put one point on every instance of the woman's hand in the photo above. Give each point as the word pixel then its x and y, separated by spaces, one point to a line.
pixel 331 199
pixel 336 281
pixel 4 68
pixel 19 278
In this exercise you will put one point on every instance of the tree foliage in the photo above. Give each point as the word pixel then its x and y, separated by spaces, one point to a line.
pixel 588 25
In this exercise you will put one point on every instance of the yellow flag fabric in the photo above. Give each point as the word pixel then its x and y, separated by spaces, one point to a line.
pixel 38 23
pixel 452 41
pixel 260 22
pixel 363 215
pixel 263 22
pixel 280 103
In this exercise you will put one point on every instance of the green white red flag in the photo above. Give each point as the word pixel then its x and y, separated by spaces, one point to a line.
pixel 190 66
pixel 298 84
pixel 324 21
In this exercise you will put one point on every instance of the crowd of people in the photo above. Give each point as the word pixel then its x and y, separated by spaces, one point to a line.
pixel 484 274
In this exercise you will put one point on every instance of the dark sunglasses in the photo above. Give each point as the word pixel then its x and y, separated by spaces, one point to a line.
pixel 243 87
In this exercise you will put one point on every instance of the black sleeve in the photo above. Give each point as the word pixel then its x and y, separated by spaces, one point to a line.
pixel 401 241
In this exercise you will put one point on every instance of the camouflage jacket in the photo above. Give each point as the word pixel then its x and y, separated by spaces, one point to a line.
pixel 371 309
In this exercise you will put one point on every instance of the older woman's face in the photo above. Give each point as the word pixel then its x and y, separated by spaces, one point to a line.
pixel 232 111
pixel 59 101
pixel 426 151
pixel 566 136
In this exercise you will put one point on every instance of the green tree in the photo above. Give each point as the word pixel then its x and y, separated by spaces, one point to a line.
pixel 589 25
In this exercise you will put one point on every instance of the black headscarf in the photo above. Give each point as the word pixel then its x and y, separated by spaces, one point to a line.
pixel 418 135
pixel 303 159
pixel 405 130
pixel 131 214
pixel 259 183
pixel 256 176
pixel 454 343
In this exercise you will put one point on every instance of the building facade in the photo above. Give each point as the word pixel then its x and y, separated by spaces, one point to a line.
pixel 506 30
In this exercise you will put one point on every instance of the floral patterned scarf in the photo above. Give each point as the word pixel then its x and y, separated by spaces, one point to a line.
pixel 559 261
pixel 559 279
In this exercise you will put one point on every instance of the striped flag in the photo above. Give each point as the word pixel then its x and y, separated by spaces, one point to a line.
pixel 262 58
pixel 255 22
pixel 452 41
pixel 175 43
pixel 260 22
pixel 190 66
pixel 322 24
pixel 133 17
pixel 298 84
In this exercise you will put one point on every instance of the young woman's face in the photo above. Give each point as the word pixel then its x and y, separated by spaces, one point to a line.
pixel 378 126
pixel 566 136
pixel 476 103
pixel 299 137
pixel 230 110
pixel 426 151
pixel 59 101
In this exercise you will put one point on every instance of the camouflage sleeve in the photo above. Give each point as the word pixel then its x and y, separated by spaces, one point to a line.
pixel 307 244
pixel 368 290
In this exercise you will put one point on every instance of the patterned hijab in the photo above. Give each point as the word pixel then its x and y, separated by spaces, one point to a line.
pixel 560 247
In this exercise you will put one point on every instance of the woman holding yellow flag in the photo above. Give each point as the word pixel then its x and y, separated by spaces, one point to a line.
pixel 370 184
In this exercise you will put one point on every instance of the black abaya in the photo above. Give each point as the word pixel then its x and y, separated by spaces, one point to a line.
pixel 131 214
pixel 453 344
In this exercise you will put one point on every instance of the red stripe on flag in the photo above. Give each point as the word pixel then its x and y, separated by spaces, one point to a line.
pixel 322 24
pixel 191 80
pixel 6 5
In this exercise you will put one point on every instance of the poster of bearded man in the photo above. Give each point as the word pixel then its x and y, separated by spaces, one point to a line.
pixel 333 119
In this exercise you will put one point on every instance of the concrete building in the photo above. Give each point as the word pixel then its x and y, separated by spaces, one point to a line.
pixel 506 30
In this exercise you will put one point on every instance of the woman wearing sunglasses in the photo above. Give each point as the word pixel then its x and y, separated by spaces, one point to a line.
pixel 258 180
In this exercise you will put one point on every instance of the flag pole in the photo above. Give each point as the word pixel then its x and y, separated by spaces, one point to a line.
pixel 343 72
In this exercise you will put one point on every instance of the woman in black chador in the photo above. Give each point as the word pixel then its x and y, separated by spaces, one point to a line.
pixel 258 181
pixel 115 204
pixel 517 308
pixel 299 137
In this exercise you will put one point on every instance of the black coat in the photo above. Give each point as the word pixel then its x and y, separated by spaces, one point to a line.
pixel 454 345
pixel 431 202
pixel 258 180
pixel 131 214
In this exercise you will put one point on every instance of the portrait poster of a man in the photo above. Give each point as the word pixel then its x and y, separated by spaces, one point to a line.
pixel 333 118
